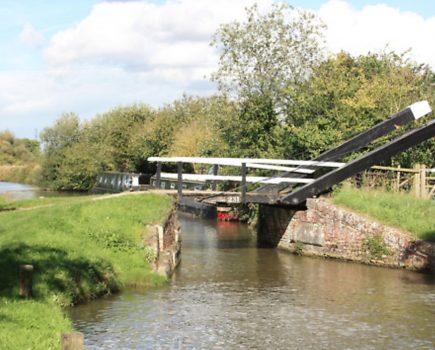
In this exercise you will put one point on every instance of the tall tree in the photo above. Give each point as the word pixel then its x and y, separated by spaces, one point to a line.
pixel 268 53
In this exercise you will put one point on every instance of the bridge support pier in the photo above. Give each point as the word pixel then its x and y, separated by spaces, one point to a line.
pixel 272 223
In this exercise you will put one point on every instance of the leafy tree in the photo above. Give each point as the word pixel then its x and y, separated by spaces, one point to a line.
pixel 346 95
pixel 57 143
pixel 16 151
pixel 116 130
pixel 268 54
pixel 254 131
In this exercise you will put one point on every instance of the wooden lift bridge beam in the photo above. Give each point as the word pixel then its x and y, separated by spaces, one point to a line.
pixel 405 116
pixel 323 183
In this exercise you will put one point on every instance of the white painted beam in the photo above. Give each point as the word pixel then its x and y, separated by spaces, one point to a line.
pixel 278 168
pixel 251 179
pixel 239 161
pixel 420 109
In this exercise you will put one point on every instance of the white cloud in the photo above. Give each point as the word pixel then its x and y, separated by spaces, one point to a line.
pixel 30 36
pixel 35 99
pixel 170 39
pixel 378 27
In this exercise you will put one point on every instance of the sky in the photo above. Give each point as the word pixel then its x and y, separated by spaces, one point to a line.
pixel 90 56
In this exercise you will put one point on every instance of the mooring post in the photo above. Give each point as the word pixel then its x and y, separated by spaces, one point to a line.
pixel 72 341
pixel 243 185
pixel 158 174
pixel 215 172
pixel 26 273
pixel 180 179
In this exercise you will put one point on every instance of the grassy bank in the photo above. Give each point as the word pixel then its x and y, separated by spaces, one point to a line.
pixel 404 211
pixel 80 250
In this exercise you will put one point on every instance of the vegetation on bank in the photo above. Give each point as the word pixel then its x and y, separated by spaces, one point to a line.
pixel 16 151
pixel 26 174
pixel 19 159
pixel 415 215
pixel 80 250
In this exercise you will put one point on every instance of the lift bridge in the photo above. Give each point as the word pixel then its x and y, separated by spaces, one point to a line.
pixel 296 180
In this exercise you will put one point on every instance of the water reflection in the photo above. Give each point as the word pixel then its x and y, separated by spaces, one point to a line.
pixel 17 191
pixel 229 294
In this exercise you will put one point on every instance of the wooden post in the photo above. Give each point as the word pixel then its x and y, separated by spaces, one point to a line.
pixel 243 185
pixel 423 193
pixel 416 182
pixel 398 180
pixel 180 179
pixel 215 172
pixel 72 341
pixel 26 272
pixel 158 174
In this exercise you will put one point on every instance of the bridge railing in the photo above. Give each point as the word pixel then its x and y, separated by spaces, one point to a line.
pixel 282 165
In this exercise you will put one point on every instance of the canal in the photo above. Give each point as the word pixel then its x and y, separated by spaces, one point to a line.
pixel 18 191
pixel 228 294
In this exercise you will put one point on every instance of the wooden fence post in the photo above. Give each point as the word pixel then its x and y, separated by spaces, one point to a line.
pixel 158 174
pixel 180 179
pixel 423 193
pixel 416 182
pixel 243 185
pixel 26 273
pixel 72 341
pixel 215 172
pixel 398 180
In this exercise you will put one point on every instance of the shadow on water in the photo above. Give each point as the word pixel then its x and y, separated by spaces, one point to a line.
pixel 55 270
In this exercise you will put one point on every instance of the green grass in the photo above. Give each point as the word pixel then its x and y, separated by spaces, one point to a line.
pixel 404 211
pixel 46 201
pixel 5 204
pixel 80 250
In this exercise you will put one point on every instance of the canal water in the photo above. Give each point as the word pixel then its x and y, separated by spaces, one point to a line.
pixel 18 191
pixel 228 294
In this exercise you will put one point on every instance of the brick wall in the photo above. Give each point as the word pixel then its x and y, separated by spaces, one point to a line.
pixel 327 230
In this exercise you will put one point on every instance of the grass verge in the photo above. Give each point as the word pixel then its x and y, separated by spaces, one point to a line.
pixel 80 251
pixel 404 211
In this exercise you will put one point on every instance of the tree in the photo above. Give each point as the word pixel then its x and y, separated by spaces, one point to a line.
pixel 16 151
pixel 346 95
pixel 254 131
pixel 57 142
pixel 268 54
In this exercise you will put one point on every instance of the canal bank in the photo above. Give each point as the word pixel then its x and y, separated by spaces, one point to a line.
pixel 324 229
pixel 80 249
pixel 229 294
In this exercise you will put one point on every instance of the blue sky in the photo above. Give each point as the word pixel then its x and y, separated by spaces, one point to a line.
pixel 88 56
